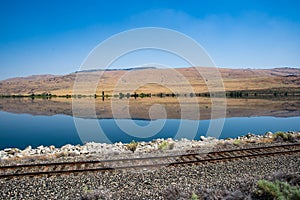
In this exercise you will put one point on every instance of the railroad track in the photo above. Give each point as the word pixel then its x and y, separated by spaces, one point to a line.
pixel 192 157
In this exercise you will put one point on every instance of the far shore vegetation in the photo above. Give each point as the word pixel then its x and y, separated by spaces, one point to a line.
pixel 268 93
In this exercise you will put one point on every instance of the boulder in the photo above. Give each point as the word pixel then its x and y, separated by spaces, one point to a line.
pixel 12 151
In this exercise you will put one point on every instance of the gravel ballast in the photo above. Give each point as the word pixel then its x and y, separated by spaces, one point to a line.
pixel 150 184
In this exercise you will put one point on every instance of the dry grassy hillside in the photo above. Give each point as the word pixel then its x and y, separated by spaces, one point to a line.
pixel 153 81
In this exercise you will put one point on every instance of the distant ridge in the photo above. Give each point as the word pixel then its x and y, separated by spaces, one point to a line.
pixel 126 69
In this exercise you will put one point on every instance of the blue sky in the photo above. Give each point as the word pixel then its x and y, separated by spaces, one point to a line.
pixel 54 37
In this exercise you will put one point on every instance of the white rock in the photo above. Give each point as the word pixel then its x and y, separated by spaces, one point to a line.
pixel 142 143
pixel 12 150
pixel 202 138
pixel 19 155
pixel 84 151
pixel 26 151
pixel 45 150
pixel 67 147
pixel 74 153
pixel 184 140
pixel 7 149
pixel 37 151
pixel 28 148
pixel 268 134
pixel 148 146
pixel 118 144
pixel 52 147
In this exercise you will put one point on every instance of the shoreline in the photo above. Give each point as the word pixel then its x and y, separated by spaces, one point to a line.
pixel 142 149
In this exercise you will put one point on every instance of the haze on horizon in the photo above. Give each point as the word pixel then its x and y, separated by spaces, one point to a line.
pixel 54 37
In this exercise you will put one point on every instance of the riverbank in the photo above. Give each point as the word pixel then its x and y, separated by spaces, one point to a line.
pixel 140 149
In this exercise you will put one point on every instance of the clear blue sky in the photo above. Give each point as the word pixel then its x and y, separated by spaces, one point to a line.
pixel 54 36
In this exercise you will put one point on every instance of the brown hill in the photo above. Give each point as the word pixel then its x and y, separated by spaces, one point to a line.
pixel 153 81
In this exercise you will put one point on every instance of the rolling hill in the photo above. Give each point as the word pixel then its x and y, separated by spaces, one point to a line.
pixel 152 80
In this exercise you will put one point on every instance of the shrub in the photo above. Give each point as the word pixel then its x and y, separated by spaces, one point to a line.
pixel 165 146
pixel 194 196
pixel 237 142
pixel 283 136
pixel 132 146
pixel 277 190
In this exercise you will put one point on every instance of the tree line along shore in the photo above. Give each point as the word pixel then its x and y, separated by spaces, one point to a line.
pixel 265 93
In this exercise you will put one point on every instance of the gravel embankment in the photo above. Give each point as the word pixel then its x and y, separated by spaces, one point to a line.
pixel 161 183
pixel 150 184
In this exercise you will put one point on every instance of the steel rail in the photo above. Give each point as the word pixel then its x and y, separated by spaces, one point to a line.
pixel 190 158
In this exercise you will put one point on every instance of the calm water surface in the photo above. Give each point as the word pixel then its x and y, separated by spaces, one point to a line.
pixel 22 125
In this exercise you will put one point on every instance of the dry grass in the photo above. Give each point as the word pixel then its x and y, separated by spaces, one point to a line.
pixel 234 79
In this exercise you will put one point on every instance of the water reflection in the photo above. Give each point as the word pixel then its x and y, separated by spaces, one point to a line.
pixel 153 108
pixel 50 122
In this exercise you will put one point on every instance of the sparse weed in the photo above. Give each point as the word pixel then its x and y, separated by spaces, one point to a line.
pixel 165 146
pixel 281 187
pixel 237 142
pixel 283 136
pixel 132 146
pixel 277 190
pixel 194 196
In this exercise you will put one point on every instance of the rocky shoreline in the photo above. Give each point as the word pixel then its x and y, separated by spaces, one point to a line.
pixel 223 180
pixel 158 146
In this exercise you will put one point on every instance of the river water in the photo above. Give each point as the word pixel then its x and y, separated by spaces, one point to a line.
pixel 36 122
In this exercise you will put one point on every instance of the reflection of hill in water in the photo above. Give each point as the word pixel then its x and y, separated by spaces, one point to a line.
pixel 139 108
